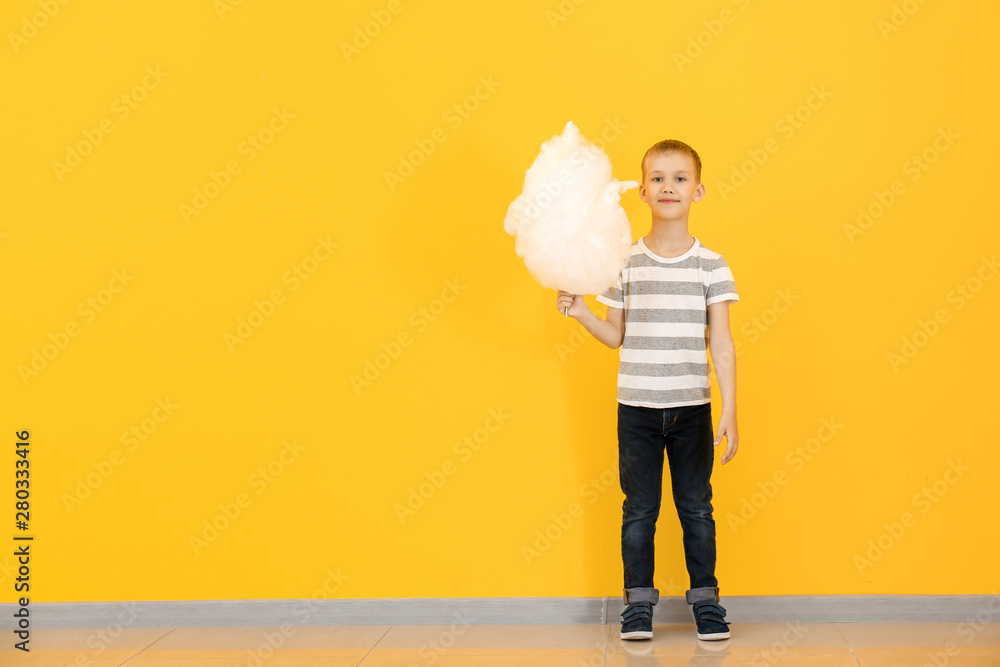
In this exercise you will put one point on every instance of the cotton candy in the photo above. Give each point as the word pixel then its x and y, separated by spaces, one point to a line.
pixel 570 227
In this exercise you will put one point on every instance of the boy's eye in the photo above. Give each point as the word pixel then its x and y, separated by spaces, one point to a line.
pixel 656 178
pixel 680 178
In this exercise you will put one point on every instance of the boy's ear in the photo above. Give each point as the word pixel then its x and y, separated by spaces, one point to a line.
pixel 699 192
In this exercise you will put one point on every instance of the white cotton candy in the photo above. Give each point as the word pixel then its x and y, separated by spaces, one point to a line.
pixel 571 229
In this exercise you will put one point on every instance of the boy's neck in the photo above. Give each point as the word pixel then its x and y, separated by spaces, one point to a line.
pixel 669 238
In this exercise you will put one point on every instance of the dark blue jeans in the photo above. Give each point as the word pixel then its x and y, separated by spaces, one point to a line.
pixel 685 433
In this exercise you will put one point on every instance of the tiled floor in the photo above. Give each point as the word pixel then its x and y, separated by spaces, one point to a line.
pixel 754 644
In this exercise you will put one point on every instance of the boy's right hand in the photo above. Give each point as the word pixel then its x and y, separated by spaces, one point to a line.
pixel 574 302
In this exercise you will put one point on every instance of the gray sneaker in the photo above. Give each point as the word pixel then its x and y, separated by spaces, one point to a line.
pixel 637 621
pixel 710 617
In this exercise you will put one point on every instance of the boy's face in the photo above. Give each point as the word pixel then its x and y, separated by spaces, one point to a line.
pixel 670 186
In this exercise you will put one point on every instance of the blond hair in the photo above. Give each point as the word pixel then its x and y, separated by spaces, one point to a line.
pixel 671 146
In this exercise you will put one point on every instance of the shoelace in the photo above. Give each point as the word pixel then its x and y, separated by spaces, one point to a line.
pixel 712 612
pixel 637 610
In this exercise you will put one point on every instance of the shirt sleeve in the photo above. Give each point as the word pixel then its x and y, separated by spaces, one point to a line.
pixel 613 295
pixel 722 286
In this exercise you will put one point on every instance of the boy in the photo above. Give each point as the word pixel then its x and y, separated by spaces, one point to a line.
pixel 671 293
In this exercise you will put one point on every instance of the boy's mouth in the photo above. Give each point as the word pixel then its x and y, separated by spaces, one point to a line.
pixel 669 201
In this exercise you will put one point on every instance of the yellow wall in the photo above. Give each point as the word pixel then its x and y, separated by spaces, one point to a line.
pixel 481 385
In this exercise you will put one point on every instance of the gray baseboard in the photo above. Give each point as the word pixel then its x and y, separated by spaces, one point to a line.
pixel 502 611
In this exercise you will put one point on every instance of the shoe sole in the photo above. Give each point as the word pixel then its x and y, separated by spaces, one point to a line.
pixel 637 634
pixel 714 636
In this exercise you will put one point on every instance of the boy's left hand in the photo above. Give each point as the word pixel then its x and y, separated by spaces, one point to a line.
pixel 727 428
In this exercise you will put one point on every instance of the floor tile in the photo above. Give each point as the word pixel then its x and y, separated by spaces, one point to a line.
pixel 278 661
pixel 95 643
pixel 50 659
pixel 876 635
pixel 461 645
pixel 472 639
pixel 410 658
pixel 265 639
pixel 729 660
pixel 929 656
pixel 768 640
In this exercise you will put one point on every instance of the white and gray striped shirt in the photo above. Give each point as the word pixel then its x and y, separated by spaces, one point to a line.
pixel 664 356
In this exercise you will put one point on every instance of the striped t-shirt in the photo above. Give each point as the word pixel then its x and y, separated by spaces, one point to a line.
pixel 664 355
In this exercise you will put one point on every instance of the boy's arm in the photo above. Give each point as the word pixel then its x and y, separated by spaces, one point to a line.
pixel 611 331
pixel 720 343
